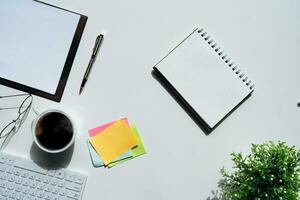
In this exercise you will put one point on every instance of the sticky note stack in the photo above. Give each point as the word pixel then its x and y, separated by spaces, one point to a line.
pixel 114 143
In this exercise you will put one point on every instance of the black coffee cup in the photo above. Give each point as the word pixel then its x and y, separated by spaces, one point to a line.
pixel 53 131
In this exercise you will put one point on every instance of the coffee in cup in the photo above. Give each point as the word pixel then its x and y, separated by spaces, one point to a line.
pixel 53 131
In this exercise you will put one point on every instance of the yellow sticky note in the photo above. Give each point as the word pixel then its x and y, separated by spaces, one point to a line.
pixel 136 151
pixel 113 141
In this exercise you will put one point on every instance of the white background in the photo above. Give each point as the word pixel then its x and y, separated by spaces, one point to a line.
pixel 181 161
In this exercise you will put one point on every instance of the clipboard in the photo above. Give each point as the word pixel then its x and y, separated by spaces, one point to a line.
pixel 39 42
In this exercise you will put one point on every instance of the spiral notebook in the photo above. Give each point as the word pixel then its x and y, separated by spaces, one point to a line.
pixel 203 79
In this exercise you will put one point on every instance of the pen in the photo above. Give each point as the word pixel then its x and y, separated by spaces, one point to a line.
pixel 96 48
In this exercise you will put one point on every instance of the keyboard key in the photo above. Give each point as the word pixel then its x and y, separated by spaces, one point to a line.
pixel 40 194
pixel 16 172
pixel 73 195
pixel 55 191
pixel 62 193
pixel 3 184
pixel 25 190
pixel 79 180
pixel 41 186
pixel 32 192
pixel 21 196
pixel 5 193
pixel 39 178
pixel 10 161
pixel 53 182
pixel 2 168
pixel 10 186
pixel 61 184
pixel 24 174
pixel 2 159
pixel 12 195
pixel 11 179
pixel 51 172
pixel 73 186
pixel 60 174
pixel 18 188
pixel 56 198
pixel 25 182
pixel 32 176
pixel 9 170
pixel 33 184
pixel 70 177
pixel 47 180
pixel 18 180
pixel 18 197
pixel 2 176
pixel 48 188
pixel 26 198
pixel 48 196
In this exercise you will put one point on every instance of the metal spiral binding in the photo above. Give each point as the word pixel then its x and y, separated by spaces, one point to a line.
pixel 226 59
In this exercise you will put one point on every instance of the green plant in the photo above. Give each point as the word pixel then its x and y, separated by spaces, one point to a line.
pixel 271 172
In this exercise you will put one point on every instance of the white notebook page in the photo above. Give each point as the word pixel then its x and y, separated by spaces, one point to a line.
pixel 203 79
pixel 35 40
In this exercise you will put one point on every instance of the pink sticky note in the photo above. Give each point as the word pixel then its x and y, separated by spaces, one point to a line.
pixel 99 129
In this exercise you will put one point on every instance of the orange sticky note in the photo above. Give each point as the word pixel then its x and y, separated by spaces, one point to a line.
pixel 113 141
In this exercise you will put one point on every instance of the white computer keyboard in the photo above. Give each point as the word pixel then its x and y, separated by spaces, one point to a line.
pixel 23 179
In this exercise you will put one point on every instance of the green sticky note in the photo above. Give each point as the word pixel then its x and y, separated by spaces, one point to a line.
pixel 136 151
pixel 140 148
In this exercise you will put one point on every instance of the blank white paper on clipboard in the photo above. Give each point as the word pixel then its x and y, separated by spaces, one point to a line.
pixel 35 42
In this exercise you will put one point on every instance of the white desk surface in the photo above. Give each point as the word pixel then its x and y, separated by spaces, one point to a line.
pixel 181 161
